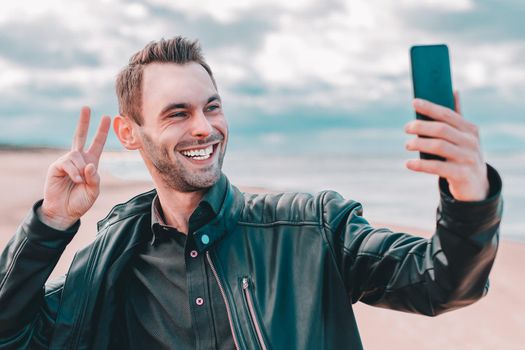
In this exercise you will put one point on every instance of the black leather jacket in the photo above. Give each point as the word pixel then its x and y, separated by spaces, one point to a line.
pixel 290 267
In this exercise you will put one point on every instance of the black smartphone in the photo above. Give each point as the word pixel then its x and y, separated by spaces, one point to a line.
pixel 432 79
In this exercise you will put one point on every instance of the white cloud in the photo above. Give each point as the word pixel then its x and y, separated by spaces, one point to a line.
pixel 136 10
pixel 345 50
pixel 12 77
pixel 229 10
pixel 345 54
pixel 442 5
pixel 495 65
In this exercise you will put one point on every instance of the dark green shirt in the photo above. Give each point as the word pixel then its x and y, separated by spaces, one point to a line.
pixel 170 297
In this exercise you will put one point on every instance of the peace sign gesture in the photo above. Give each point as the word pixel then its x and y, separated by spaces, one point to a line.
pixel 72 182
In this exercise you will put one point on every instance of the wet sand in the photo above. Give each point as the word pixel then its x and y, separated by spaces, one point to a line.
pixel 495 322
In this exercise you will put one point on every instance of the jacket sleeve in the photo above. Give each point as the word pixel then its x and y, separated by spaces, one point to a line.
pixel 28 307
pixel 407 273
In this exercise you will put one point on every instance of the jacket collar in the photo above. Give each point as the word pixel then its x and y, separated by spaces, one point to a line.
pixel 224 200
pixel 207 209
pixel 227 203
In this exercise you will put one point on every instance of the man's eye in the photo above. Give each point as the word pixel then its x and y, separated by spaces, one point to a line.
pixel 178 115
pixel 213 108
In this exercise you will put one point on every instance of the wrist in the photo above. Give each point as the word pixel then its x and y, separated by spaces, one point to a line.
pixel 54 221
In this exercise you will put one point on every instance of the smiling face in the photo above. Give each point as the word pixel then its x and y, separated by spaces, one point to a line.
pixel 184 132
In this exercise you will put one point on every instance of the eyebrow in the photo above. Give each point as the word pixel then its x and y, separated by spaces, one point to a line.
pixel 184 105
pixel 215 97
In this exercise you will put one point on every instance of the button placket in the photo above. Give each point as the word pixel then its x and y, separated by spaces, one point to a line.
pixel 199 297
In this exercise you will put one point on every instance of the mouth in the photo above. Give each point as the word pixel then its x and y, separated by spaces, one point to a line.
pixel 200 154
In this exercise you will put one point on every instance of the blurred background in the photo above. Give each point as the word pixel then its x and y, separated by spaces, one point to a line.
pixel 316 92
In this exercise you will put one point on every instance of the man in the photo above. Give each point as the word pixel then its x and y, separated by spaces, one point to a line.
pixel 198 264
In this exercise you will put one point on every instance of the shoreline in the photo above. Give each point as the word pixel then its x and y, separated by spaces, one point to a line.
pixel 494 322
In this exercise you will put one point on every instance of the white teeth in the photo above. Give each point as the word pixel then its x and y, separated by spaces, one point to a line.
pixel 199 154
pixel 202 157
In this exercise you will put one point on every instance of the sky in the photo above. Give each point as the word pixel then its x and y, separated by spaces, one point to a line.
pixel 296 75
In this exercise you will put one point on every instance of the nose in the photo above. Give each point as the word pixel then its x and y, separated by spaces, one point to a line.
pixel 201 127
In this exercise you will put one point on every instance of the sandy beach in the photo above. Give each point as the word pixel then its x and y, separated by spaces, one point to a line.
pixel 496 322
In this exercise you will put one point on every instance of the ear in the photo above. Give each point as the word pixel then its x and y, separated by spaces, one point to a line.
pixel 126 132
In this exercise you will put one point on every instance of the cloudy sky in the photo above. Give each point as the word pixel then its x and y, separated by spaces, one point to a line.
pixel 288 71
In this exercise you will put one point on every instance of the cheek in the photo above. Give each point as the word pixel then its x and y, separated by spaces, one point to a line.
pixel 170 136
pixel 222 126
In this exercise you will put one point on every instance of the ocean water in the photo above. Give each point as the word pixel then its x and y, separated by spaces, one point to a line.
pixel 389 192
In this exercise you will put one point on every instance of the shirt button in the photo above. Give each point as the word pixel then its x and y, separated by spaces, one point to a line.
pixel 194 253
pixel 199 301
pixel 205 239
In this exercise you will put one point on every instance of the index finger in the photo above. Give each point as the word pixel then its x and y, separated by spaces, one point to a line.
pixel 79 139
pixel 440 113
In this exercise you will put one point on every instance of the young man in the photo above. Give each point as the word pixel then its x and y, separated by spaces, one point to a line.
pixel 196 264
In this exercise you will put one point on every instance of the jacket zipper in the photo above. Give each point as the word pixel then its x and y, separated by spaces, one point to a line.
pixel 251 309
pixel 228 311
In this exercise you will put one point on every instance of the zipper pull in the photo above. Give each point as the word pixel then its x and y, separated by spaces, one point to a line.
pixel 245 283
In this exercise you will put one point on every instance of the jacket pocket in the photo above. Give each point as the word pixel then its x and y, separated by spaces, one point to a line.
pixel 247 287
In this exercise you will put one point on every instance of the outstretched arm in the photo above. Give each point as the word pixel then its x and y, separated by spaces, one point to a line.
pixel 451 269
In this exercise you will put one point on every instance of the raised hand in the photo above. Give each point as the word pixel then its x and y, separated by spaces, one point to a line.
pixel 72 182
pixel 457 140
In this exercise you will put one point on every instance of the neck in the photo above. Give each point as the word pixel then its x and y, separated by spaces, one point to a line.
pixel 177 206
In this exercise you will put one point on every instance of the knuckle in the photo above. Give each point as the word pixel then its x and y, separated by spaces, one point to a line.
pixel 438 146
pixel 72 155
pixel 442 129
pixel 472 141
pixel 62 159
pixel 448 113
pixel 77 158
pixel 66 164
pixel 468 159
pixel 474 129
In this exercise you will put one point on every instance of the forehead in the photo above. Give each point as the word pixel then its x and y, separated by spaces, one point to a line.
pixel 164 83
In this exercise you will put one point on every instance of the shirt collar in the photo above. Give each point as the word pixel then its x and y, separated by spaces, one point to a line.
pixel 208 208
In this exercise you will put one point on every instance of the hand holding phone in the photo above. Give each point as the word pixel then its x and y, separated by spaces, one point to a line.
pixel 432 80
pixel 442 132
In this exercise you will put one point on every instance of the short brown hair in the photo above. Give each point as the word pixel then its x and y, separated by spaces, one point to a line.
pixel 177 50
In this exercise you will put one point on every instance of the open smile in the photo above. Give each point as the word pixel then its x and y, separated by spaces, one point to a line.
pixel 200 154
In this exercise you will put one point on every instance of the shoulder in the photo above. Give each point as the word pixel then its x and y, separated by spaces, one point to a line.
pixel 138 206
pixel 290 207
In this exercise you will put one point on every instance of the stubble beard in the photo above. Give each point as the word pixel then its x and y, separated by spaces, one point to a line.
pixel 175 174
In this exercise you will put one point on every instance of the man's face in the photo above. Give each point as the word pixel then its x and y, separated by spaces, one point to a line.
pixel 184 133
